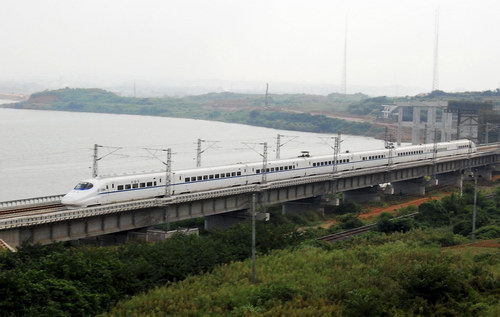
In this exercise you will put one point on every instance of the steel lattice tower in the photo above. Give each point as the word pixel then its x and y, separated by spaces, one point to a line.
pixel 435 79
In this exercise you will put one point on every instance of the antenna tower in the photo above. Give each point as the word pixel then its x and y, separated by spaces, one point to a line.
pixel 267 91
pixel 343 86
pixel 435 79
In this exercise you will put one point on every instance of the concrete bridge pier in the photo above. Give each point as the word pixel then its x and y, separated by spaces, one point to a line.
pixel 362 195
pixel 310 204
pixel 226 220
pixel 451 179
pixel 486 173
pixel 409 187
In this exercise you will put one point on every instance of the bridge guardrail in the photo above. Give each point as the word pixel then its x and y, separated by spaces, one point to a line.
pixel 30 201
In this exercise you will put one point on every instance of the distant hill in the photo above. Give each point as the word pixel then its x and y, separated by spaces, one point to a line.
pixel 298 112
pixel 287 112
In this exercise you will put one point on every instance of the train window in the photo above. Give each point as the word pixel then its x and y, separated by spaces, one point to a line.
pixel 257 171
pixel 210 176
pixel 135 185
pixel 217 175
pixel 112 185
pixel 272 169
pixel 193 178
pixel 83 186
pixel 205 176
pixel 154 183
pixel 233 174
pixel 142 185
pixel 127 186
pixel 107 187
pixel 238 173
pixel 120 187
pixel 347 160
pixel 149 184
pixel 290 167
pixel 199 178
pixel 267 170
pixel 286 168
pixel 281 168
pixel 186 180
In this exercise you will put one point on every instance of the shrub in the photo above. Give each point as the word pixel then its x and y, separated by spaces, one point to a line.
pixel 488 232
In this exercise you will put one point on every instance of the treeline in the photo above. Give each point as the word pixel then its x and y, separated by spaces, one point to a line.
pixel 62 280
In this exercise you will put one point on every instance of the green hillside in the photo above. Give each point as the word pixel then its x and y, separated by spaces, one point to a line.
pixel 287 112
pixel 366 277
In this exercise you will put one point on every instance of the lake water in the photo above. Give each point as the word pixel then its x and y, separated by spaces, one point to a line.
pixel 47 152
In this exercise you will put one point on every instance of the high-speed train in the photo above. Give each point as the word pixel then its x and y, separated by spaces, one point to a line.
pixel 113 189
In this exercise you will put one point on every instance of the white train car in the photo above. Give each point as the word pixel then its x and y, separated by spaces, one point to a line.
pixel 106 190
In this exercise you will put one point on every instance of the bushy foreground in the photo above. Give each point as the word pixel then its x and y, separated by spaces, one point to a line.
pixel 379 275
pixel 60 280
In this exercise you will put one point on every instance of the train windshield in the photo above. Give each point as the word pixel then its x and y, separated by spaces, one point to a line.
pixel 83 186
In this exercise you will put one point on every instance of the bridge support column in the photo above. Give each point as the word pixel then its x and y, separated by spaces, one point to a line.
pixel 409 187
pixel 293 207
pixel 368 194
pixel 486 173
pixel 226 220
pixel 12 237
pixel 452 178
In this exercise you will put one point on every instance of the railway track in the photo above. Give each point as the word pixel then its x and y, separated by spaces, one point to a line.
pixel 353 232
pixel 32 210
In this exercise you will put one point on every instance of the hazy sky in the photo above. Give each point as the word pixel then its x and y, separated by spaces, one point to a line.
pixel 390 42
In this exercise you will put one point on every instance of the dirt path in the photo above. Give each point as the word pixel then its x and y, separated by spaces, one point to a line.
pixel 374 212
pixel 494 243
pixel 416 202
pixel 377 211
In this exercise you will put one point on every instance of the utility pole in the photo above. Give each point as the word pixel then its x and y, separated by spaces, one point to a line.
pixel 198 153
pixel 336 152
pixel 474 210
pixel 487 132
pixel 264 164
pixel 278 146
pixel 254 271
pixel 95 159
pixel 434 155
pixel 168 173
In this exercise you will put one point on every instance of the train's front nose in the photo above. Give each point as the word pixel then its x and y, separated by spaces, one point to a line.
pixel 79 196
pixel 72 198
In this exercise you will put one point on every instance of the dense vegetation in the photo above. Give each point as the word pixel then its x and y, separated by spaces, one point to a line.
pixel 378 275
pixel 60 280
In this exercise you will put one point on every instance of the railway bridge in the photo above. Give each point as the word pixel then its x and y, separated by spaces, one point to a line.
pixel 43 220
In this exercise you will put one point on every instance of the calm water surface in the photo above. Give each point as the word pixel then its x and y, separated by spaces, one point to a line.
pixel 47 152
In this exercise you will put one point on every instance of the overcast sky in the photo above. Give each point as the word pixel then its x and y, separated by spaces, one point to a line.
pixel 390 42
